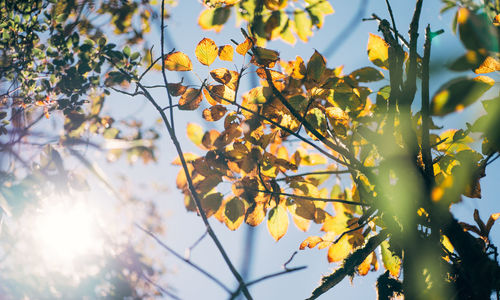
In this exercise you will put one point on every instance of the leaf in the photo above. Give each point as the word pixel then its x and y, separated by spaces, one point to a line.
pixel 275 75
pixel 176 89
pixel 275 4
pixel 188 156
pixel 303 25
pixel 264 57
pixel 367 74
pixel 206 51
pixel 458 94
pixel 226 77
pixel 194 133
pixel 489 64
pixel 178 61
pixel 316 66
pixel 310 242
pixel 234 212
pixel 255 214
pixel 226 52
pixel 392 263
pixel 378 51
pixel 217 94
pixel 211 203
pixel 339 250
pixel 214 113
pixel 277 222
pixel 243 48
pixel 214 18
pixel 365 266
pixel 191 99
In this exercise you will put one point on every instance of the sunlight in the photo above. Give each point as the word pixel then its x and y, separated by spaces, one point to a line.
pixel 65 231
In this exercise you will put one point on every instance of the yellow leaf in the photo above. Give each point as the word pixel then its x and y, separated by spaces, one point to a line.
pixel 234 213
pixel 275 75
pixel 194 133
pixel 226 52
pixel 277 222
pixel 303 25
pixel 218 93
pixel 365 266
pixel 206 51
pixel 178 61
pixel 490 64
pixel 275 4
pixel 214 18
pixel 310 242
pixel 392 263
pixel 226 77
pixel 255 214
pixel 190 100
pixel 378 51
pixel 188 156
pixel 339 250
pixel 243 48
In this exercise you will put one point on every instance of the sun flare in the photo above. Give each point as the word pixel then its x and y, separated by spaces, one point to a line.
pixel 65 231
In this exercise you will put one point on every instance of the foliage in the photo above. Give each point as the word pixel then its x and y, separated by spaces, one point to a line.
pixel 283 147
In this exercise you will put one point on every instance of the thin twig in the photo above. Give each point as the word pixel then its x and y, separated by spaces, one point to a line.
pixel 163 73
pixel 187 261
pixel 314 173
pixel 389 8
pixel 289 260
pixel 159 287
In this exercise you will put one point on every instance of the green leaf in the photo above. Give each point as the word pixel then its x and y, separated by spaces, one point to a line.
pixel 392 263
pixel 367 74
pixel 303 25
pixel 458 94
pixel 316 66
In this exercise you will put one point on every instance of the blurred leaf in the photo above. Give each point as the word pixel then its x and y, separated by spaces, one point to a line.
pixel 214 18
pixel 195 133
pixel 458 94
pixel 392 263
pixel 214 113
pixel 367 74
pixel 339 250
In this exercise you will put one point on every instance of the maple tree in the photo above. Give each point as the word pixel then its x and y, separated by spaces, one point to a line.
pixel 311 143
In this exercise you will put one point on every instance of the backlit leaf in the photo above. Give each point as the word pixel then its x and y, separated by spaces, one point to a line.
pixel 176 89
pixel 226 77
pixel 277 222
pixel 339 250
pixel 211 203
pixel 226 52
pixel 316 66
pixel 303 25
pixel 489 64
pixel 458 94
pixel 234 212
pixel 191 99
pixel 214 113
pixel 310 242
pixel 214 18
pixel 188 156
pixel 194 133
pixel 243 48
pixel 378 51
pixel 392 263
pixel 178 61
pixel 206 51
pixel 367 74
pixel 275 4
pixel 255 214
pixel 275 75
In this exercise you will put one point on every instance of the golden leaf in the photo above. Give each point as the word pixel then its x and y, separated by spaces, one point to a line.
pixel 310 242
pixel 378 51
pixel 194 133
pixel 277 222
pixel 178 61
pixel 226 52
pixel 339 250
pixel 243 48
pixel 206 51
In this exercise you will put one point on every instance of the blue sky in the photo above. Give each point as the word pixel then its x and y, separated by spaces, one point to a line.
pixel 183 228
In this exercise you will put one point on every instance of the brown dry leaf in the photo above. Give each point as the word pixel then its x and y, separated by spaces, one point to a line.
pixel 209 138
pixel 191 99
pixel 226 77
pixel 178 61
pixel 217 93
pixel 206 51
pixel 176 89
pixel 214 113
pixel 234 213
pixel 226 52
